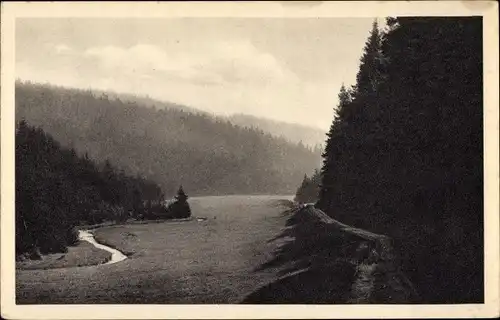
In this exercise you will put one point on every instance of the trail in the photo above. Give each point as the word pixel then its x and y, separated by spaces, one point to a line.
pixel 116 256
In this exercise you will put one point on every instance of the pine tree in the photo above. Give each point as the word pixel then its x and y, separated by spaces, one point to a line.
pixel 355 117
pixel 108 183
pixel 299 196
pixel 332 150
pixel 180 208
pixel 343 110
pixel 181 195
pixel 404 156
pixel 369 74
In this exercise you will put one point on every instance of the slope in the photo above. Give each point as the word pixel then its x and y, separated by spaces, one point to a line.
pixel 291 131
pixel 208 156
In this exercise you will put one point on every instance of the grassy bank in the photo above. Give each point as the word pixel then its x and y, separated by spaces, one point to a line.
pixel 325 261
pixel 83 254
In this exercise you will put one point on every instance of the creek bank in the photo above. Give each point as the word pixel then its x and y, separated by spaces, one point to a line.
pixel 116 256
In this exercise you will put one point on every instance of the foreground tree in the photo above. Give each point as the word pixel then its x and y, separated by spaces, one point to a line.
pixel 334 144
pixel 369 74
pixel 404 154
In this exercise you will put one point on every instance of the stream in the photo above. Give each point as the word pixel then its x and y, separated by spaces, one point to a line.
pixel 116 256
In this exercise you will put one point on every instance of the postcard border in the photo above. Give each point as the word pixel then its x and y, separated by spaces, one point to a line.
pixel 487 9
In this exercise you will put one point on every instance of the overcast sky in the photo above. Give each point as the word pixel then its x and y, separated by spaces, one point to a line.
pixel 285 69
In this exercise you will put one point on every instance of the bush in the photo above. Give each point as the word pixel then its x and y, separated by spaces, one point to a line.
pixel 156 211
pixel 179 210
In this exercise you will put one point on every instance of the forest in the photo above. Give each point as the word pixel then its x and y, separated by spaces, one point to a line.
pixel 293 132
pixel 309 188
pixel 166 144
pixel 57 190
pixel 404 152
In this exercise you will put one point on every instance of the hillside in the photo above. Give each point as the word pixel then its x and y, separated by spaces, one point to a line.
pixel 169 146
pixel 292 132
pixel 57 190
pixel 145 101
pixel 309 136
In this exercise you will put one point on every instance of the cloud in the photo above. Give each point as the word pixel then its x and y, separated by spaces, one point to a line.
pixel 242 62
pixel 222 77
pixel 221 63
pixel 63 49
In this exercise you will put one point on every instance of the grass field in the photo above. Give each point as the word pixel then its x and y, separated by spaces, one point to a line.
pixel 212 261
pixel 84 254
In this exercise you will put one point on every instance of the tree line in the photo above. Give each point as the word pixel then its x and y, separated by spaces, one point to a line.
pixel 57 190
pixel 293 132
pixel 404 151
pixel 170 146
pixel 309 188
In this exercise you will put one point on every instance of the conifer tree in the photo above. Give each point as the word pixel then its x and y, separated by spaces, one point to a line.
pixel 180 208
pixel 181 195
pixel 369 74
pixel 332 150
pixel 299 196
pixel 404 155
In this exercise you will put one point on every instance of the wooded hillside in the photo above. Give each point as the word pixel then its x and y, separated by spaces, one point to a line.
pixel 293 132
pixel 208 156
pixel 56 190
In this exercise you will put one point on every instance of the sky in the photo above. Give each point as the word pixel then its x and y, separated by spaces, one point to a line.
pixel 287 69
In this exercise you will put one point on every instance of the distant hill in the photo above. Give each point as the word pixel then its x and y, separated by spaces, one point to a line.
pixel 170 146
pixel 144 101
pixel 292 132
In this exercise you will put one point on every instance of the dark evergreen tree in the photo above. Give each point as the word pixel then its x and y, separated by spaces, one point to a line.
pixel 179 209
pixel 308 190
pixel 181 195
pixel 369 74
pixel 332 151
pixel 404 155
pixel 299 195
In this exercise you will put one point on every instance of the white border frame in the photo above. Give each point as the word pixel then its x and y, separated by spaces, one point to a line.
pixel 487 9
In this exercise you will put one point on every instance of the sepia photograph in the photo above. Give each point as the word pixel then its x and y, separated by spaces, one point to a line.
pixel 238 157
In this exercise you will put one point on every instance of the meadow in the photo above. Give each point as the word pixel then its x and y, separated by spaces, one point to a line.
pixel 210 261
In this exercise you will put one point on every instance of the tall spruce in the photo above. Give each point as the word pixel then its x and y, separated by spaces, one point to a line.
pixel 369 74
pixel 404 156
pixel 332 150
pixel 299 195
pixel 308 190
